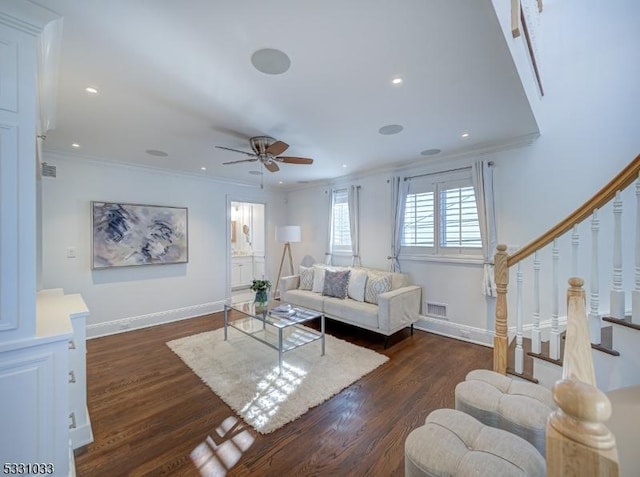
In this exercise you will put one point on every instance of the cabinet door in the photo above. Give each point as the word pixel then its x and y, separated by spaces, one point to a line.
pixel 246 272
pixel 236 279
pixel 258 268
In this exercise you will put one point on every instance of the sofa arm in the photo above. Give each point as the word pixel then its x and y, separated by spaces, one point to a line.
pixel 289 283
pixel 399 308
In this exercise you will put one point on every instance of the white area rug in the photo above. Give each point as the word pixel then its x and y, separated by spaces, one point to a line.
pixel 244 373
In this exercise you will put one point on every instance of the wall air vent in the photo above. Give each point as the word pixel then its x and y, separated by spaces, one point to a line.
pixel 48 170
pixel 436 310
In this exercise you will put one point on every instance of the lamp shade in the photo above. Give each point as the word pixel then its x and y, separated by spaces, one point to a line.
pixel 288 233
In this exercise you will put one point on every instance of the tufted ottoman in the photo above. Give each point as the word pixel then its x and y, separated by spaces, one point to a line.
pixel 454 444
pixel 518 407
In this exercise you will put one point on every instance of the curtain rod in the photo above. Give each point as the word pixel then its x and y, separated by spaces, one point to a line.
pixel 442 172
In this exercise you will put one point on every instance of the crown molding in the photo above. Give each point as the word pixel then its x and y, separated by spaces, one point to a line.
pixel 26 16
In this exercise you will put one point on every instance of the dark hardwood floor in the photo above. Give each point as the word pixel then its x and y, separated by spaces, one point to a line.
pixel 152 416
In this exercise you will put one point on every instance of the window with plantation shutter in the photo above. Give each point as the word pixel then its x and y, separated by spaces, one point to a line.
pixel 441 216
pixel 340 227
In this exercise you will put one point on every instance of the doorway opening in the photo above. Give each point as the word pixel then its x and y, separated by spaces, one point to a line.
pixel 247 248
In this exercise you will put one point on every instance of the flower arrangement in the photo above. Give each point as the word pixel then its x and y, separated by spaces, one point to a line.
pixel 260 285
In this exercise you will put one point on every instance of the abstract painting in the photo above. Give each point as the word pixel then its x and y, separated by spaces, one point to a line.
pixel 134 234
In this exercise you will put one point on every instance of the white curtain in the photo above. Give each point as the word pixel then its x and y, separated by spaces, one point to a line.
pixel 399 189
pixel 482 176
pixel 353 199
pixel 328 255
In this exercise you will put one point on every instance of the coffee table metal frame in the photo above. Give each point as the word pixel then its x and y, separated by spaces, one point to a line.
pixel 282 333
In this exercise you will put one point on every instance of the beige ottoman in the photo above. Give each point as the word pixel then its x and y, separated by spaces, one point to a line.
pixel 454 444
pixel 518 407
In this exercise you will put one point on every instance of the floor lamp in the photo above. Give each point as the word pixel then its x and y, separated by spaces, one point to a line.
pixel 286 234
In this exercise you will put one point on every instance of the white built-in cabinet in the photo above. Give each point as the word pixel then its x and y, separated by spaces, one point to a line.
pixel 245 268
pixel 35 360
pixel 241 271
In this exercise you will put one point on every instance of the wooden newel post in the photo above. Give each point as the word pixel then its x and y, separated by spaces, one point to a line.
pixel 500 343
pixel 578 442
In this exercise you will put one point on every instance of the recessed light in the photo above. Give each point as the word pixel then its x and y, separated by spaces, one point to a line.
pixel 431 152
pixel 75 144
pixel 156 152
pixel 91 90
pixel 203 168
pixel 397 80
pixel 280 182
pixel 390 129
pixel 344 165
pixel 271 61
pixel 464 135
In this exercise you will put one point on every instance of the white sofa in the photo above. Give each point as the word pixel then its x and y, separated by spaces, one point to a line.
pixel 396 309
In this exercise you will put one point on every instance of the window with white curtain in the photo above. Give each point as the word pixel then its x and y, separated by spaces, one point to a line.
pixel 441 216
pixel 340 228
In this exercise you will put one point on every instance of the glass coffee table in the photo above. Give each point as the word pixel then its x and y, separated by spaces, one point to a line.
pixel 282 331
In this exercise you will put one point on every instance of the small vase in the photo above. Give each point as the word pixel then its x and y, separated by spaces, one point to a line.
pixel 261 298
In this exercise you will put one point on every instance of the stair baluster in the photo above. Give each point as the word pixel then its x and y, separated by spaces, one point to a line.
pixel 536 335
pixel 617 293
pixel 595 320
pixel 554 335
pixel 519 358
pixel 575 243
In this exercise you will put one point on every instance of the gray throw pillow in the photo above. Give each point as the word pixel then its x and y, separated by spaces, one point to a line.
pixel 336 284
pixel 306 278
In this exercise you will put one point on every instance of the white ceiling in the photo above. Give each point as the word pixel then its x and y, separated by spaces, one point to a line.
pixel 176 76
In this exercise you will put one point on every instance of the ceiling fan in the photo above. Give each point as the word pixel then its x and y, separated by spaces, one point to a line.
pixel 267 150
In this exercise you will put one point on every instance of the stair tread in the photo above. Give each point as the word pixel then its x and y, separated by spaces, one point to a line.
pixel 605 346
pixel 626 321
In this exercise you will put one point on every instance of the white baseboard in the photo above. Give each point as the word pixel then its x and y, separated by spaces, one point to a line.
pixel 143 321
pixel 467 333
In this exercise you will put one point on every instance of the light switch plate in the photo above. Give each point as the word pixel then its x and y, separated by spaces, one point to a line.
pixel 71 252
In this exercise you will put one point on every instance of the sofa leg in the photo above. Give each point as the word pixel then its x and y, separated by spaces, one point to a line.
pixel 411 329
pixel 386 341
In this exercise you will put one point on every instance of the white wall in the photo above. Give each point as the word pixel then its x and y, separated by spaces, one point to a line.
pixel 129 297
pixel 589 131
pixel 456 285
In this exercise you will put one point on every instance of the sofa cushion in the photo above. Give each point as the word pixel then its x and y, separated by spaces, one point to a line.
pixel 318 278
pixel 352 311
pixel 357 284
pixel 304 298
pixel 454 443
pixel 377 282
pixel 336 283
pixel 399 280
pixel 518 407
pixel 306 278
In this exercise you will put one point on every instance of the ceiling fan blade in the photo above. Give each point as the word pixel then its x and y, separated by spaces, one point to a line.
pixel 277 148
pixel 250 154
pixel 271 166
pixel 295 160
pixel 241 160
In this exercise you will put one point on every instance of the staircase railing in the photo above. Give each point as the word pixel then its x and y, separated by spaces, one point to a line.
pixel 504 261
pixel 578 442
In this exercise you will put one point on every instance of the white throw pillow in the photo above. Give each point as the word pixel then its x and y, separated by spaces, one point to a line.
pixel 306 278
pixel 318 279
pixel 376 283
pixel 357 284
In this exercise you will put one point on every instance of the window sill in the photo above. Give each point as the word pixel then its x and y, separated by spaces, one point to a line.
pixel 464 259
